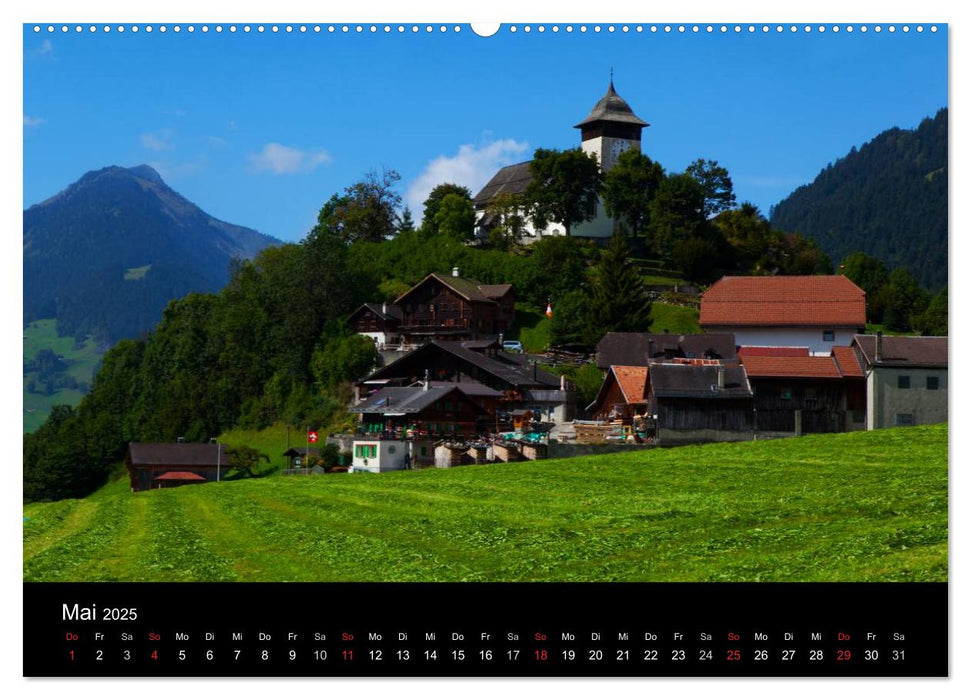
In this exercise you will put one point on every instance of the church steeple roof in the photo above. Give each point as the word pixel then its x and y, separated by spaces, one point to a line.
pixel 612 108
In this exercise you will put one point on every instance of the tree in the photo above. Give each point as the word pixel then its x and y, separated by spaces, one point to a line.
pixel 618 297
pixel 342 358
pixel 507 220
pixel 564 187
pixel 676 211
pixel 568 325
pixel 365 212
pixel 405 223
pixel 904 298
pixel 870 275
pixel 630 187
pixel 244 459
pixel 455 217
pixel 933 321
pixel 434 201
pixel 717 185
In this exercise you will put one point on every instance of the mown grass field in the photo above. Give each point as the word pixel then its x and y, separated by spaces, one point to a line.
pixel 851 507
pixel 81 363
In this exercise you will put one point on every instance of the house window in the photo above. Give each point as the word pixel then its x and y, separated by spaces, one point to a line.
pixel 810 400
pixel 933 383
pixel 374 450
pixel 829 336
pixel 905 419
pixel 903 381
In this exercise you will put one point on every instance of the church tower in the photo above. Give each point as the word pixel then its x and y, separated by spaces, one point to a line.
pixel 610 129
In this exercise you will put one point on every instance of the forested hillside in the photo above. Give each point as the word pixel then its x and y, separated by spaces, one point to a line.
pixel 107 254
pixel 888 199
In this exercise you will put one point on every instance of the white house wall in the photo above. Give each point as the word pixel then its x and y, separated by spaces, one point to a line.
pixel 811 338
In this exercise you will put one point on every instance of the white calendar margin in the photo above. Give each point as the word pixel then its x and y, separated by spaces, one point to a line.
pixel 494 11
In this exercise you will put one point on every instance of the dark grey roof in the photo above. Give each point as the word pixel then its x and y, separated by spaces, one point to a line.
pixel 463 286
pixel 612 108
pixel 495 291
pixel 697 381
pixel 905 351
pixel 177 454
pixel 385 311
pixel 511 368
pixel 403 399
pixel 631 349
pixel 468 388
pixel 512 179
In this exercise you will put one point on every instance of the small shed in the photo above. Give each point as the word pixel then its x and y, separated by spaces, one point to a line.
pixel 147 462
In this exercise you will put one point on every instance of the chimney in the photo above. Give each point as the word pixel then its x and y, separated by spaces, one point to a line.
pixel 650 349
pixel 455 272
pixel 721 376
pixel 562 382
pixel 384 308
pixel 878 353
pixel 424 386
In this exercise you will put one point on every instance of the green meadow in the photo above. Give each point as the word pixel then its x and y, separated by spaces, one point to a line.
pixel 848 507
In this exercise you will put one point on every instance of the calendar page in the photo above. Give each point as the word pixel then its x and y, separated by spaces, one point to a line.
pixel 427 349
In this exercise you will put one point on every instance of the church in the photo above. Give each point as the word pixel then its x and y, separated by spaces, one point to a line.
pixel 610 129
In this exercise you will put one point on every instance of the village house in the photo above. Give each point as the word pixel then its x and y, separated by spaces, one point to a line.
pixel 697 403
pixel 810 311
pixel 639 349
pixel 379 322
pixel 164 465
pixel 400 426
pixel 906 379
pixel 521 383
pixel 610 129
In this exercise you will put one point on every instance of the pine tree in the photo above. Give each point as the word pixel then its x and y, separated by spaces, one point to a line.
pixel 406 224
pixel 618 296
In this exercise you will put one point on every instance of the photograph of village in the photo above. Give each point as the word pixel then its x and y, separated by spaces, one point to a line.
pixel 602 356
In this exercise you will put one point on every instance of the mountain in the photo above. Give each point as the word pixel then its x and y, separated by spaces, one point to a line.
pixel 107 254
pixel 887 199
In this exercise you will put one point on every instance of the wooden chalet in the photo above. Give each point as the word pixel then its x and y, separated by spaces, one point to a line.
pixel 443 307
pixel 640 349
pixel 697 403
pixel 379 322
pixel 163 465
pixel 521 384
pixel 421 412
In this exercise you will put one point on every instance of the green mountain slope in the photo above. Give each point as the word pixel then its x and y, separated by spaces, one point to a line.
pixel 887 199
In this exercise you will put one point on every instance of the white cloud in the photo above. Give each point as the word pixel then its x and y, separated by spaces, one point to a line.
pixel 44 49
pixel 33 121
pixel 472 167
pixel 158 140
pixel 283 160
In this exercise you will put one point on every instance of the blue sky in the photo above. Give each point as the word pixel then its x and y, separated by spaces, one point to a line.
pixel 261 129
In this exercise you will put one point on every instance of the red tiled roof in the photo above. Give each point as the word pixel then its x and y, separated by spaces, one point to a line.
pixel 807 300
pixel 179 476
pixel 768 351
pixel 631 381
pixel 761 366
pixel 848 361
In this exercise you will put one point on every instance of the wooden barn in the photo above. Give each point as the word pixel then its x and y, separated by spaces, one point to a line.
pixel 164 465
pixel 797 395
pixel 700 403
pixel 622 394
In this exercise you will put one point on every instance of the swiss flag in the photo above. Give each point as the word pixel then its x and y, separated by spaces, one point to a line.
pixel 312 436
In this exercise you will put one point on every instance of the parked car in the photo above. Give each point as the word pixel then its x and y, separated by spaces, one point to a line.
pixel 512 346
